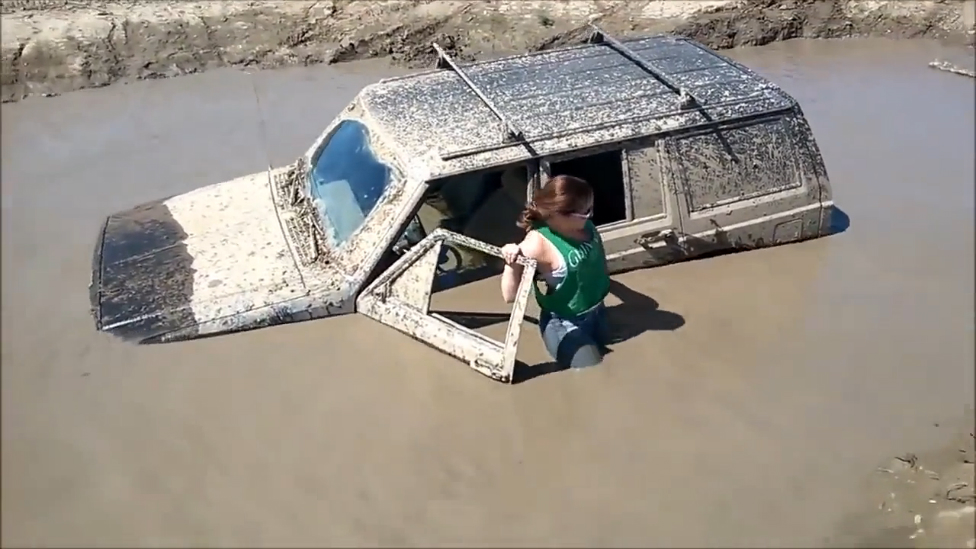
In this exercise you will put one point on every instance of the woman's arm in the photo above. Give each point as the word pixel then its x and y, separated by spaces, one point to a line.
pixel 512 275
pixel 510 281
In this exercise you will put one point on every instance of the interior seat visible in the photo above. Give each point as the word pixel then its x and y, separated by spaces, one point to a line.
pixel 494 219
pixel 463 193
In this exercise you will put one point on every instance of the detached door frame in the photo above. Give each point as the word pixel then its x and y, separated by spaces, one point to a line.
pixel 400 299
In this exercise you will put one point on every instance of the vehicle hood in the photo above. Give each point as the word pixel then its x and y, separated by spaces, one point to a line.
pixel 209 261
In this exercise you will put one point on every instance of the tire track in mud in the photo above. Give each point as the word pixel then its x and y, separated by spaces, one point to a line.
pixel 56 46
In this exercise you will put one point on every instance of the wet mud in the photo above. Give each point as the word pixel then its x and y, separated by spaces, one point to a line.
pixel 922 500
pixel 748 400
pixel 56 46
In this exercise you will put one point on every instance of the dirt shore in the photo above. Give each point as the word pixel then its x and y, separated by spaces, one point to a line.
pixel 923 500
pixel 56 46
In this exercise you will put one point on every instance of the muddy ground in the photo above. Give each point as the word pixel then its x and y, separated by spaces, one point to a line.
pixel 753 404
pixel 55 46
pixel 922 500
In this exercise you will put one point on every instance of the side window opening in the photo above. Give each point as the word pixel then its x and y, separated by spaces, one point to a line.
pixel 604 172
pixel 492 216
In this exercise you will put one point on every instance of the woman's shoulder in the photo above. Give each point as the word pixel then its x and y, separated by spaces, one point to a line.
pixel 534 244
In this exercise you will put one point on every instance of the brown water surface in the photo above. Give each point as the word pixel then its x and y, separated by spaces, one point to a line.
pixel 795 371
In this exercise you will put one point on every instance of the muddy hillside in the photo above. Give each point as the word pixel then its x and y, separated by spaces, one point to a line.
pixel 55 46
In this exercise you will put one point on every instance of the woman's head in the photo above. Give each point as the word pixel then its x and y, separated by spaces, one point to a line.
pixel 565 201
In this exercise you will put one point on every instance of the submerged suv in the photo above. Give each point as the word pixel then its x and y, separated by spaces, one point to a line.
pixel 413 187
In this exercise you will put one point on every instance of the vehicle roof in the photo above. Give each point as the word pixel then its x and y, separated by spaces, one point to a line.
pixel 564 99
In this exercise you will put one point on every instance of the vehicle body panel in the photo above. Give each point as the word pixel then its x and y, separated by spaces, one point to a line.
pixel 209 260
pixel 552 97
pixel 743 185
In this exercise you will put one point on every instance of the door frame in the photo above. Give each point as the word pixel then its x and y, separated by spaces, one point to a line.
pixel 400 298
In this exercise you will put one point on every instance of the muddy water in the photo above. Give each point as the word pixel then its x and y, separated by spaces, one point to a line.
pixel 757 390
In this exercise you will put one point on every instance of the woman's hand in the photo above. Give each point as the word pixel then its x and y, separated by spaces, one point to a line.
pixel 510 253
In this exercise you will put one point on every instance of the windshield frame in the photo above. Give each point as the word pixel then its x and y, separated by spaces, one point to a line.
pixel 380 155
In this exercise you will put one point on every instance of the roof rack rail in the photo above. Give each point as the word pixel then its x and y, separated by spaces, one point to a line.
pixel 602 37
pixel 512 132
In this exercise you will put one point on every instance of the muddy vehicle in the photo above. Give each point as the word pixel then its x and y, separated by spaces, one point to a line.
pixel 415 185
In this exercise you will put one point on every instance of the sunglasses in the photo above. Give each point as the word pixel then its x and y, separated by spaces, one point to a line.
pixel 582 215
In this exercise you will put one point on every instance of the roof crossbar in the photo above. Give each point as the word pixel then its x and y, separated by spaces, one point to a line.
pixel 512 132
pixel 601 37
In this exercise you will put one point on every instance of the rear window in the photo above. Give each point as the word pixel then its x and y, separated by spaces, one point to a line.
pixel 737 163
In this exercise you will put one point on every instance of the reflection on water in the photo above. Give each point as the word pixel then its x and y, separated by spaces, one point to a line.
pixel 794 369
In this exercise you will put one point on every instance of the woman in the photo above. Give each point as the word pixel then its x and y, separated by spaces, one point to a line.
pixel 569 252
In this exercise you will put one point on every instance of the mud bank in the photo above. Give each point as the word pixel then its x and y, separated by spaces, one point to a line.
pixel 921 500
pixel 55 46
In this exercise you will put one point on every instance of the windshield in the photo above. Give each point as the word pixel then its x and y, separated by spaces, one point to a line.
pixel 347 180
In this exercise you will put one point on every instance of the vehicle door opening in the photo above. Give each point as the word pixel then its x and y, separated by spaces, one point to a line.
pixel 453 239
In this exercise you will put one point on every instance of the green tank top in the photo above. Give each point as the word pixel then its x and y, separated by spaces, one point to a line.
pixel 586 283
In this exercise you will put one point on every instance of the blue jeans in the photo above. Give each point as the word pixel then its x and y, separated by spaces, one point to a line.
pixel 576 342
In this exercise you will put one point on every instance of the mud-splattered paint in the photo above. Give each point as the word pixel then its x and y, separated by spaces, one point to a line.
pixel 196 263
pixel 563 100
pixel 647 194
pixel 142 275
